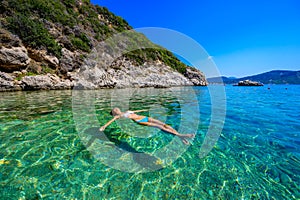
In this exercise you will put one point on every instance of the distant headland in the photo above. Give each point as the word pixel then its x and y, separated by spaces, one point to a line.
pixel 271 77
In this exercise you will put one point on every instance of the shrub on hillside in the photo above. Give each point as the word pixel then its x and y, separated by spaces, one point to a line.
pixel 33 33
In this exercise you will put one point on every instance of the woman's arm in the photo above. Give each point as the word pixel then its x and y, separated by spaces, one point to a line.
pixel 139 111
pixel 108 123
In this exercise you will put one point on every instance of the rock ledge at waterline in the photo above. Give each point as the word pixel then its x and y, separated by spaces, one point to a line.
pixel 147 75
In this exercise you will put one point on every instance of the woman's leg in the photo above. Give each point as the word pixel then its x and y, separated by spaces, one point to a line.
pixel 162 126
pixel 167 128
pixel 158 124
pixel 155 121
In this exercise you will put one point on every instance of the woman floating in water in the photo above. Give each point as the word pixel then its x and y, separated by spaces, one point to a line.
pixel 147 121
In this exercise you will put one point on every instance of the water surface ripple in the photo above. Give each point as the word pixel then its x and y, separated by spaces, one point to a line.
pixel 256 157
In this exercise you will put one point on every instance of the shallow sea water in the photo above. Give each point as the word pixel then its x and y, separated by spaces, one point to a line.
pixel 51 148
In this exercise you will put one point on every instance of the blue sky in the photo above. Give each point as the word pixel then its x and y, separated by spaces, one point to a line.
pixel 243 37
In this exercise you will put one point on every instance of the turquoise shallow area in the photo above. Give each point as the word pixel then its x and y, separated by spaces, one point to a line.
pixel 50 146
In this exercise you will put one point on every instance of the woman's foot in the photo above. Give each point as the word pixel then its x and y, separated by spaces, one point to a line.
pixel 189 135
pixel 185 141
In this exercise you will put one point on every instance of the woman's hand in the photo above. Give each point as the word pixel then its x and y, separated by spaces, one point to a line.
pixel 108 123
pixel 102 128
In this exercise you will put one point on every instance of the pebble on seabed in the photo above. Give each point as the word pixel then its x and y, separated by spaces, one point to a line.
pixel 2 162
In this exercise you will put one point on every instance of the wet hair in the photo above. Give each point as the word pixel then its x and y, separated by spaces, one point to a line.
pixel 114 111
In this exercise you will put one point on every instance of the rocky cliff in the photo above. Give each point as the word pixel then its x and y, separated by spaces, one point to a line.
pixel 65 44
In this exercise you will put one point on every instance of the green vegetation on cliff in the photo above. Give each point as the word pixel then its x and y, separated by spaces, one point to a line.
pixel 80 25
pixel 33 33
pixel 165 56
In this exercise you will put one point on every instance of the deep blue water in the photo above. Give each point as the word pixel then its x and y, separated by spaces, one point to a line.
pixel 50 146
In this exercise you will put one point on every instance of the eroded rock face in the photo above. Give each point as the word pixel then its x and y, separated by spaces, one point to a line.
pixel 8 40
pixel 69 61
pixel 93 76
pixel 45 82
pixel 43 57
pixel 13 59
pixel 38 82
pixel 123 74
pixel 13 55
pixel 147 75
pixel 99 69
pixel 196 77
pixel 6 82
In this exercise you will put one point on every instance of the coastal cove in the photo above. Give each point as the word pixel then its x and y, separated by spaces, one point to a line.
pixel 257 156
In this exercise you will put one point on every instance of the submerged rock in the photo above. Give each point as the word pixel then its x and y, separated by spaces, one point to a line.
pixel 284 178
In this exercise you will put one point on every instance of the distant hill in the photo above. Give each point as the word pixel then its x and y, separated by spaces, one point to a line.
pixel 222 79
pixel 272 77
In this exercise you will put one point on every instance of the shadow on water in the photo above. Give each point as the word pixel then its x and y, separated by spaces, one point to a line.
pixel 145 160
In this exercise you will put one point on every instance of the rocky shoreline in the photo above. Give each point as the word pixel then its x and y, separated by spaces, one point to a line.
pixel 89 55
pixel 111 79
pixel 98 70
pixel 9 83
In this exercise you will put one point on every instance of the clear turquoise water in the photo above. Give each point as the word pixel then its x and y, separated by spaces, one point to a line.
pixel 50 146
